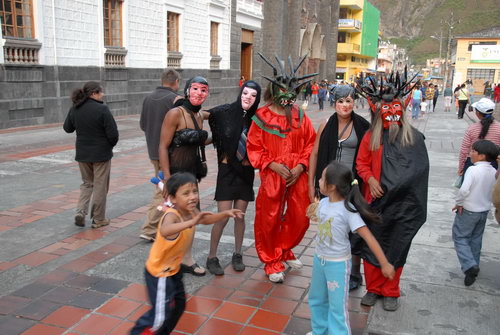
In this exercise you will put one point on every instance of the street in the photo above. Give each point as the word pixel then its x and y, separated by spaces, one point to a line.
pixel 57 278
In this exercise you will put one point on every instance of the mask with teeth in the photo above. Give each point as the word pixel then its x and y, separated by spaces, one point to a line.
pixel 286 85
pixel 391 113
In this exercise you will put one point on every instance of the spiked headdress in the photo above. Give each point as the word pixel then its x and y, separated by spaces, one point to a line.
pixel 396 86
pixel 289 83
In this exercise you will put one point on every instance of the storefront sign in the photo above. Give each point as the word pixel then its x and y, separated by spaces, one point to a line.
pixel 485 54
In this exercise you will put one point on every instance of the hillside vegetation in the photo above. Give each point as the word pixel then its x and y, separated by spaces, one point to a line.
pixel 410 23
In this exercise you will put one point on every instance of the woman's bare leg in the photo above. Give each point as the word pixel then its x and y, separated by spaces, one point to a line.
pixel 218 228
pixel 239 225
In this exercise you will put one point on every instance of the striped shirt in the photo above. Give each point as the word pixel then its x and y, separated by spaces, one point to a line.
pixel 472 135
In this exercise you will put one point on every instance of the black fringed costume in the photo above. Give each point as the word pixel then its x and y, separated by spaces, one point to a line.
pixel 235 178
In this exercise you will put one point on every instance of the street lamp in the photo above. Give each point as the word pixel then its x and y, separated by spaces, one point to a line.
pixel 440 39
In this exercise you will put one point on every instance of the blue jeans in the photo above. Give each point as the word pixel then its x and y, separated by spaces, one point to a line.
pixel 467 232
pixel 415 108
pixel 328 297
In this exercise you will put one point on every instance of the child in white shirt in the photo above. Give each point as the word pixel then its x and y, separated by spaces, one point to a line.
pixel 473 202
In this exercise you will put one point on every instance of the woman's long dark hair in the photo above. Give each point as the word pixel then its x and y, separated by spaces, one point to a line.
pixel 80 95
pixel 486 122
pixel 341 176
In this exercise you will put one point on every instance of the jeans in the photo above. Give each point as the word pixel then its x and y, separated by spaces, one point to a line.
pixel 467 233
pixel 328 297
pixel 315 98
pixel 430 105
pixel 461 108
pixel 415 108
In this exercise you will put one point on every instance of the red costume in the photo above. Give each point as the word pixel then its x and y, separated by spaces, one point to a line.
pixel 280 218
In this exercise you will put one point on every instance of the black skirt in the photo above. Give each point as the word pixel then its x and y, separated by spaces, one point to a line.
pixel 234 185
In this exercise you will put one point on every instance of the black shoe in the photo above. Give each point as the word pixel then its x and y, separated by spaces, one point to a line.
pixel 355 281
pixel 214 267
pixel 369 299
pixel 390 304
pixel 237 262
pixel 80 220
pixel 470 275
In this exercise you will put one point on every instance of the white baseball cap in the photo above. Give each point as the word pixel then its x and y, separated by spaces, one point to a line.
pixel 484 106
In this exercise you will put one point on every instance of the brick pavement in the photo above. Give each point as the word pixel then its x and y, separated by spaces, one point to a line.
pixel 63 298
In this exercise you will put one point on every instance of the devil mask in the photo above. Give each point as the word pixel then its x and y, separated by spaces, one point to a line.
pixel 285 86
pixel 387 100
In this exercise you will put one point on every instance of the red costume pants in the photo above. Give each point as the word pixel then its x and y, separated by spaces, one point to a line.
pixel 275 235
pixel 378 284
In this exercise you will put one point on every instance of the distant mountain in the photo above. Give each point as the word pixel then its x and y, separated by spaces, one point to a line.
pixel 410 23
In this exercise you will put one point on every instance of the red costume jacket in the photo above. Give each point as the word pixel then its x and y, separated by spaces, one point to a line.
pixel 368 164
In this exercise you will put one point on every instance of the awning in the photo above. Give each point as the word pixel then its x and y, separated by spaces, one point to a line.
pixel 341 70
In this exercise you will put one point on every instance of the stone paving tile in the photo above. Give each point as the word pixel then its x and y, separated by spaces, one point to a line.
pixel 89 299
pixel 34 290
pixel 10 303
pixel 37 310
pixel 42 329
pixel 66 316
pixel 110 285
pixel 12 325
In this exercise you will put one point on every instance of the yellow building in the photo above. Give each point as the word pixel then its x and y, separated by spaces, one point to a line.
pixel 478 58
pixel 357 44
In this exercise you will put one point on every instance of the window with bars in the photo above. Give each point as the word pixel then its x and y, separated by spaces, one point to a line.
pixel 113 23
pixel 487 74
pixel 172 31
pixel 214 38
pixel 17 18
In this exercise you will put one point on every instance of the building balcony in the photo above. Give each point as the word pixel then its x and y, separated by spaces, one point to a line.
pixel 352 4
pixel 348 48
pixel 21 51
pixel 115 56
pixel 350 25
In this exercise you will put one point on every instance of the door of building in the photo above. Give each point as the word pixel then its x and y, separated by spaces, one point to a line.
pixel 246 53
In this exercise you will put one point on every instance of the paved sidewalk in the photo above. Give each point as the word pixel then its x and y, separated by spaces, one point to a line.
pixel 60 279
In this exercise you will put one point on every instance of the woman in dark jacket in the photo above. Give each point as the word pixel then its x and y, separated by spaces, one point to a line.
pixel 96 135
pixel 338 139
pixel 230 124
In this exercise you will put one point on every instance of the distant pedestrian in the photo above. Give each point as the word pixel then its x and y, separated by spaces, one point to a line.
pixel 463 99
pixel 472 205
pixel 173 239
pixel 436 95
pixel 242 81
pixel 423 107
pixel 308 91
pixel 314 92
pixel 416 100
pixel 470 89
pixel 497 93
pixel 487 128
pixel 322 92
pixel 342 211
pixel 429 97
pixel 96 135
pixel 154 108
pixel 448 98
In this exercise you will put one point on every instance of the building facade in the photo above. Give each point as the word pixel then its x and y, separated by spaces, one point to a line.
pixel 53 47
pixel 478 58
pixel 358 37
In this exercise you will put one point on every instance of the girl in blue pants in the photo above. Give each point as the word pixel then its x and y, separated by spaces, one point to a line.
pixel 343 210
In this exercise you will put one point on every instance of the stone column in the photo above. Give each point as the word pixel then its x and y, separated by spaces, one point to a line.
pixel 273 31
pixel 331 37
pixel 293 28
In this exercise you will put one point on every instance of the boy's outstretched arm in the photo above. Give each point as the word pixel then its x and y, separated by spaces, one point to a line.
pixel 385 266
pixel 216 217
pixel 171 225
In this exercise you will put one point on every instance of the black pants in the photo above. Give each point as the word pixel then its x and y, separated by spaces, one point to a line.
pixel 168 301
pixel 321 103
pixel 461 108
pixel 434 103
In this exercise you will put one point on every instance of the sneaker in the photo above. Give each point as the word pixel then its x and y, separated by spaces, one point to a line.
pixel 470 275
pixel 355 281
pixel 294 263
pixel 277 277
pixel 214 267
pixel 237 262
pixel 390 304
pixel 147 238
pixel 80 220
pixel 369 299
pixel 99 224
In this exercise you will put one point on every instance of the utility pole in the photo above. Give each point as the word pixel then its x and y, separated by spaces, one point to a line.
pixel 440 38
pixel 451 25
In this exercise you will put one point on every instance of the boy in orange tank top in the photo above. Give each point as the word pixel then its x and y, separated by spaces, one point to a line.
pixel 163 278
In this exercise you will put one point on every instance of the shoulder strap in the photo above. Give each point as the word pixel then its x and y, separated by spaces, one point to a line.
pixel 345 128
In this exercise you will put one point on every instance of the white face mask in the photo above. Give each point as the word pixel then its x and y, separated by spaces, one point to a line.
pixel 248 97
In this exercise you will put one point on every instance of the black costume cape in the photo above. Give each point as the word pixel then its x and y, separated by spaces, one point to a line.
pixel 403 207
pixel 328 142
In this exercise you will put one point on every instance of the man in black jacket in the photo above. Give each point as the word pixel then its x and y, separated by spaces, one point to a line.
pixel 154 109
pixel 96 135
